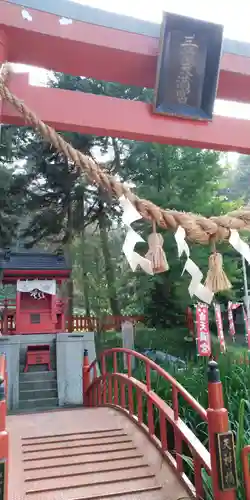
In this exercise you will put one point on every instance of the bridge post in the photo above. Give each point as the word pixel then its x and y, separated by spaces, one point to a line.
pixel 4 437
pixel 85 376
pixel 224 481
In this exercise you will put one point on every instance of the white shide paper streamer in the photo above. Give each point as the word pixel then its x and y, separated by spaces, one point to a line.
pixel 130 214
pixel 239 245
pixel 196 287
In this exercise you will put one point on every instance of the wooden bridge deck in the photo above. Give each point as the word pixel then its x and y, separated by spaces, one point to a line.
pixel 85 454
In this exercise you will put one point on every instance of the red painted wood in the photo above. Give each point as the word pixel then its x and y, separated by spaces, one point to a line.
pixel 109 390
pixel 161 372
pixel 80 323
pixel 102 53
pixel 99 395
pixel 178 450
pixel 148 376
pixel 4 436
pixel 139 405
pixel 44 309
pixel 163 431
pixel 111 116
pixel 130 399
pixel 3 402
pixel 116 382
pixel 246 472
pixel 150 417
pixel 85 376
pixel 216 417
pixel 175 401
pixel 11 275
pixel 198 477
pixel 129 364
pixel 104 371
pixel 182 432
pixel 217 422
pixel 3 57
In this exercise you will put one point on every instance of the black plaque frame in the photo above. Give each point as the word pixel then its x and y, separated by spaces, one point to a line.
pixel 209 39
pixel 227 469
pixel 2 479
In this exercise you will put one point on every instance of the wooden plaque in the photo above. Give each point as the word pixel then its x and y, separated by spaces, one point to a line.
pixel 188 67
pixel 227 461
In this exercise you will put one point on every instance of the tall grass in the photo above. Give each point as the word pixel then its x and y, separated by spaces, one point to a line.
pixel 235 379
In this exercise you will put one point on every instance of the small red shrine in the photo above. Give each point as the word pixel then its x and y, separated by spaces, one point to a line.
pixel 38 277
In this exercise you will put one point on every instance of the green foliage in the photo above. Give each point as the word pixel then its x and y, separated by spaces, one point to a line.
pixel 61 205
pixel 54 194
pixel 182 179
pixel 237 186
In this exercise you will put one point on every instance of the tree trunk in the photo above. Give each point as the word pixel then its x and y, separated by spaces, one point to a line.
pixel 70 284
pixel 116 155
pixel 86 296
pixel 85 281
pixel 109 269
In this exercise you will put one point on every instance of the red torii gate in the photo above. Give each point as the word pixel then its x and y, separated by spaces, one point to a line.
pixel 113 48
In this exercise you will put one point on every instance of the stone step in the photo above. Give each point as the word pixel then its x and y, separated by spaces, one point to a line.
pixel 73 436
pixel 38 368
pixel 37 376
pixel 150 493
pixel 79 451
pixel 37 394
pixel 38 385
pixel 74 444
pixel 88 458
pixel 83 468
pixel 33 404
pixel 78 485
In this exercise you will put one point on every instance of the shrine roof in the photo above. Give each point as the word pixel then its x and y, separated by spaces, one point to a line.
pixel 32 261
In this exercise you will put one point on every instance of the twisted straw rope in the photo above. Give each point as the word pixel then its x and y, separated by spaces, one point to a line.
pixel 198 228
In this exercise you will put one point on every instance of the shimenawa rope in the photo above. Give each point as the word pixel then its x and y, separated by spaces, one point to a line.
pixel 198 228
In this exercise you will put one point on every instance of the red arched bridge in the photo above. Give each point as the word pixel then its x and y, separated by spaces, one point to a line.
pixel 125 442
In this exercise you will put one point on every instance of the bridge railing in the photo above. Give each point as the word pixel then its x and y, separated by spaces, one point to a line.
pixel 78 322
pixel 160 420
pixel 4 438
pixel 245 456
pixel 147 409
pixel 109 322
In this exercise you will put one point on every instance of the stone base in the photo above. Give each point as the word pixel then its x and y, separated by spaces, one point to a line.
pixel 66 357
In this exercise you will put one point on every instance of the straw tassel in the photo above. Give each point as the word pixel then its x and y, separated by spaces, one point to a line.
pixel 217 280
pixel 156 254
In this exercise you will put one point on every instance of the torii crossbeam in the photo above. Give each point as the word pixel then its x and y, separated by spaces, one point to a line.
pixel 115 48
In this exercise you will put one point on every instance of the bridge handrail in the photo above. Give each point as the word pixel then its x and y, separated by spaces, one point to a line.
pixel 177 388
pixel 4 436
pixel 246 473
pixel 3 392
pixel 187 435
pixel 109 388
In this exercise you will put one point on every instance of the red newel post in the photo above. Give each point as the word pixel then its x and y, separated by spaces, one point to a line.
pixel 85 376
pixel 4 438
pixel 246 473
pixel 218 423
